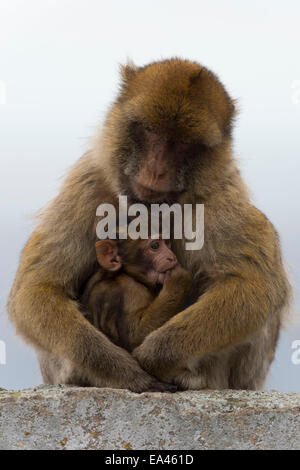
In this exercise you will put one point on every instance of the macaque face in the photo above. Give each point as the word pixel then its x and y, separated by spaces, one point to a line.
pixel 160 259
pixel 159 168
pixel 149 260
pixel 170 117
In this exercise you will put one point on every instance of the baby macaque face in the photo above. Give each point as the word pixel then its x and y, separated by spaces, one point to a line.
pixel 160 259
pixel 149 259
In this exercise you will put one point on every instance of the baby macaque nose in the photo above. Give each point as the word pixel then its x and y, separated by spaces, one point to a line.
pixel 172 259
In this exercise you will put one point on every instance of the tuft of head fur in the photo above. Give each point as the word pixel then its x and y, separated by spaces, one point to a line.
pixel 178 97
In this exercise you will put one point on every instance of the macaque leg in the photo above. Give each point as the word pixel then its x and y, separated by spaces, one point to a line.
pixel 79 351
pixel 242 367
pixel 250 362
pixel 56 370
pixel 228 315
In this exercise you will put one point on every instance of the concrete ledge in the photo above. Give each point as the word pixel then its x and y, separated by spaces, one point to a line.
pixel 91 418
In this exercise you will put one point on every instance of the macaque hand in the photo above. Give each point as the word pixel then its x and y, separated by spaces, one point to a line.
pixel 154 355
pixel 154 361
pixel 178 276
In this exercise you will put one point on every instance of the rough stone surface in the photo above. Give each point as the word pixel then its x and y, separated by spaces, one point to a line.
pixel 91 418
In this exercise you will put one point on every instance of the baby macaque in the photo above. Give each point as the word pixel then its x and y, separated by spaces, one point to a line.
pixel 139 287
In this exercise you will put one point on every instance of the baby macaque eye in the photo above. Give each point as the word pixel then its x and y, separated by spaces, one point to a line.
pixel 154 245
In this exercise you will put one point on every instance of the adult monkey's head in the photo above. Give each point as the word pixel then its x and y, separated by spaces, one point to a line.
pixel 170 125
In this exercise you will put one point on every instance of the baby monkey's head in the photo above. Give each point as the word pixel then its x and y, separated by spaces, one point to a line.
pixel 148 260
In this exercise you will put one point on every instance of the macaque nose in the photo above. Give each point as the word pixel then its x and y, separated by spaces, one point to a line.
pixel 158 169
pixel 172 259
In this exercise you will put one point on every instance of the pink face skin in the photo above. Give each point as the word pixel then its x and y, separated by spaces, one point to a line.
pixel 154 179
pixel 162 258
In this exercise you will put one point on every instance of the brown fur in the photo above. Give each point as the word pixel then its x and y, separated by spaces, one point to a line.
pixel 226 338
pixel 127 310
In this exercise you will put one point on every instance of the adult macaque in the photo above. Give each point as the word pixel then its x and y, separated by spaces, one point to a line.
pixel 122 299
pixel 167 138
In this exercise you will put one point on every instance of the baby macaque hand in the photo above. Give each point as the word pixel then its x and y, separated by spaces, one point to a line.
pixel 178 275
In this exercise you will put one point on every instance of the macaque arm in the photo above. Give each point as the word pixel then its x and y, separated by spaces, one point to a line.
pixel 55 261
pixel 62 329
pixel 167 304
pixel 226 314
pixel 248 286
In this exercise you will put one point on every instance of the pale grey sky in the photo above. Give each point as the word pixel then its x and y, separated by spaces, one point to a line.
pixel 59 72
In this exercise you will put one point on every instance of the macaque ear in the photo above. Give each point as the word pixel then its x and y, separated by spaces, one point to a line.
pixel 213 135
pixel 195 77
pixel 128 71
pixel 107 255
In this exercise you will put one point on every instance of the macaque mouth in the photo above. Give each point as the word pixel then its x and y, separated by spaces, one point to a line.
pixel 146 190
pixel 150 194
pixel 158 276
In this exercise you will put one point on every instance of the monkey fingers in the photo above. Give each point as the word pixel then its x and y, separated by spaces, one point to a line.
pixel 150 359
pixel 162 387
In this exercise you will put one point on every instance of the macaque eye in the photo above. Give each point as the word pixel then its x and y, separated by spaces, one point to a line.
pixel 154 245
pixel 137 132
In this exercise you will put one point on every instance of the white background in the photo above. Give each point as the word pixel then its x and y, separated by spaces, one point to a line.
pixel 59 71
